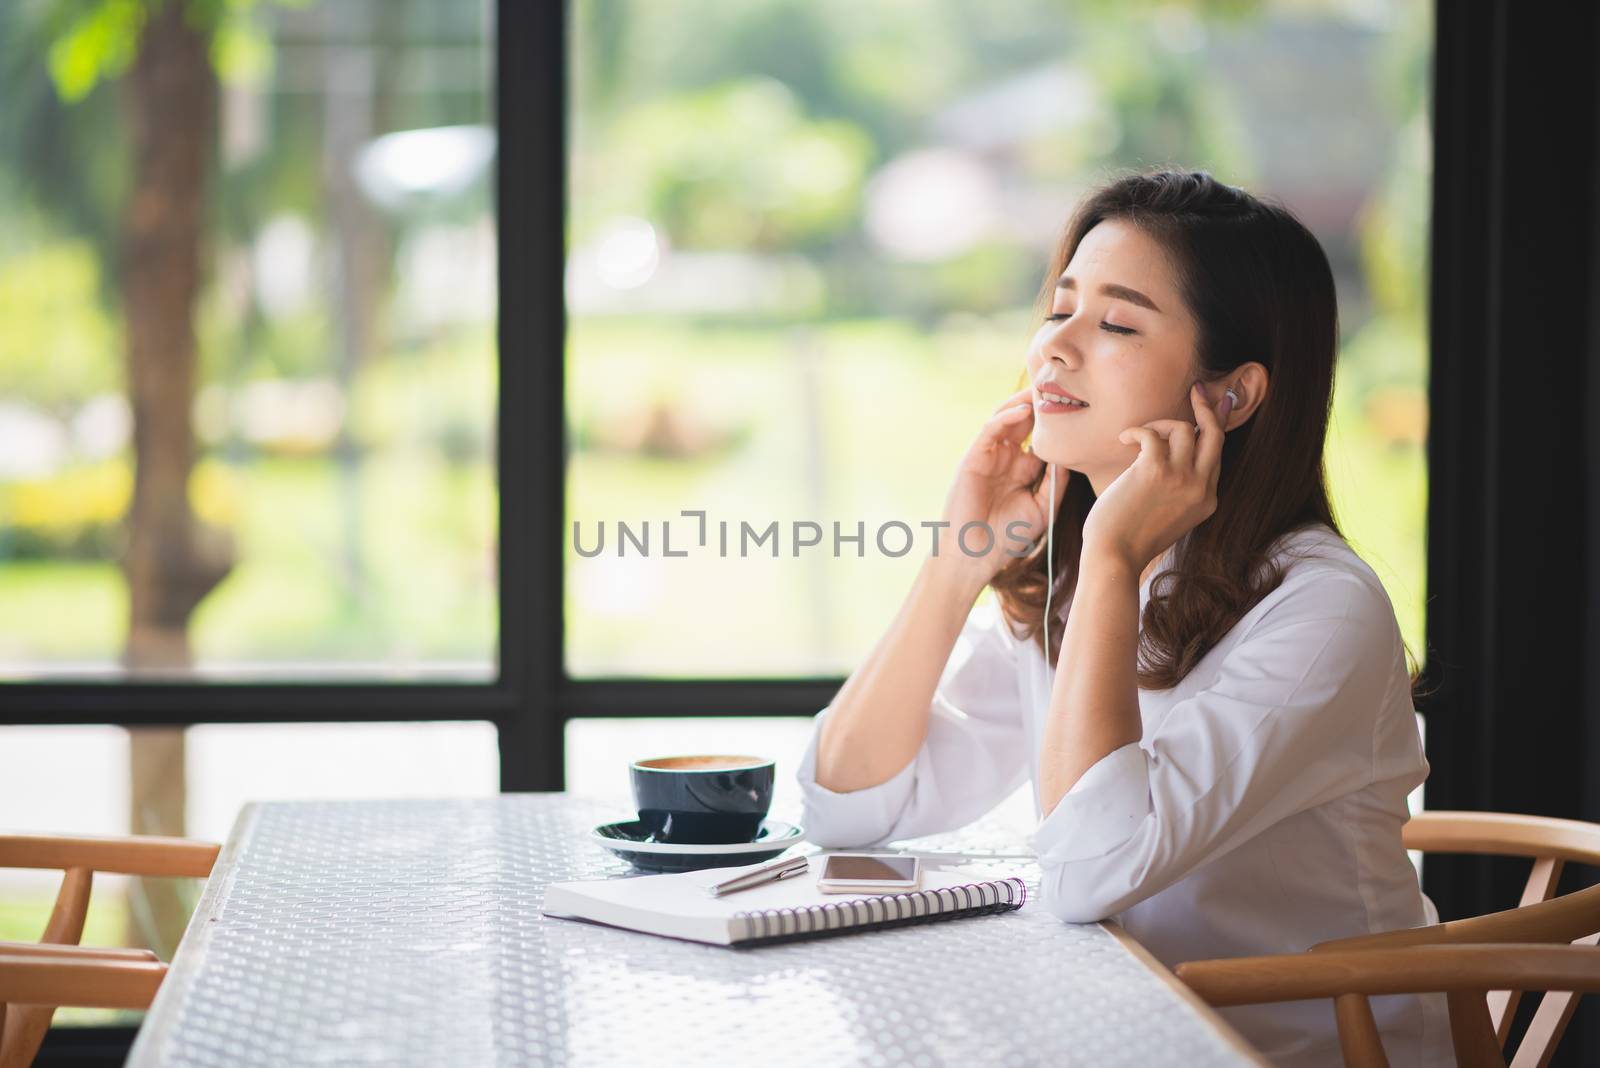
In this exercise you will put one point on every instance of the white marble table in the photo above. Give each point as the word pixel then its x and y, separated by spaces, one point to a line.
pixel 409 933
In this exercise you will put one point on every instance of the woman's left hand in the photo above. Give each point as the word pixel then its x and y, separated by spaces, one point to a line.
pixel 1168 490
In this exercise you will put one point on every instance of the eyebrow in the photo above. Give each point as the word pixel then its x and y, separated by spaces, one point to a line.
pixel 1111 289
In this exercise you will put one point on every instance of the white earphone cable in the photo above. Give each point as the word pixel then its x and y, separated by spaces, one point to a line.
pixel 1049 560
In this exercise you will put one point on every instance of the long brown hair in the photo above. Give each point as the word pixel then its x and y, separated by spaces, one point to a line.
pixel 1259 288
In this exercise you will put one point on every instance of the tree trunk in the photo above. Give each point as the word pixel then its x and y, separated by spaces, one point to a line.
pixel 157 909
pixel 171 561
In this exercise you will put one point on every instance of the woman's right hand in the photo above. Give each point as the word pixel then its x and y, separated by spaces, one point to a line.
pixel 993 485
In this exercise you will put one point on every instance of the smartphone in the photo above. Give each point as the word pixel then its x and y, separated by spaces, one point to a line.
pixel 872 873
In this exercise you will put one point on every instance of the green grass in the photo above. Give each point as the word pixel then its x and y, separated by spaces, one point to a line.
pixel 62 610
pixel 865 461
pixel 422 585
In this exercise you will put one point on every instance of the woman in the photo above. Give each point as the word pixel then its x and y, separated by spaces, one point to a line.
pixel 1218 720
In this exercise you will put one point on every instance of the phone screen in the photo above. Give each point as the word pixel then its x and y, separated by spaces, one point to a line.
pixel 870 869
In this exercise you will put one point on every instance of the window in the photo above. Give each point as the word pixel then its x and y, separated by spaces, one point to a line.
pixel 248 394
pixel 321 503
pixel 804 241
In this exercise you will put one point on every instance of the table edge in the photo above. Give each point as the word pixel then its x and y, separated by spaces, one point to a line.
pixel 1210 1015
pixel 156 1027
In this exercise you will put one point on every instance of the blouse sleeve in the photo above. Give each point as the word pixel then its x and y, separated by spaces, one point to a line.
pixel 1291 721
pixel 973 757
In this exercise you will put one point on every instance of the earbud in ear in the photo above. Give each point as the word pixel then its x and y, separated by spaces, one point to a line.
pixel 1230 400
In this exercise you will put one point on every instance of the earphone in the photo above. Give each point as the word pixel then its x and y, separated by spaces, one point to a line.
pixel 1049 563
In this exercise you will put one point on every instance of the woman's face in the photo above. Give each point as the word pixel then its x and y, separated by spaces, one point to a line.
pixel 1118 337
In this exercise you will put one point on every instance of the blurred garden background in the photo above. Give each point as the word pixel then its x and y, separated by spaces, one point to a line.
pixel 331 360
pixel 247 270
pixel 805 241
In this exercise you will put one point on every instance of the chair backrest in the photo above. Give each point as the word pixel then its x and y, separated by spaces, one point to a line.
pixel 38 978
pixel 1464 972
pixel 1550 844
pixel 23 1024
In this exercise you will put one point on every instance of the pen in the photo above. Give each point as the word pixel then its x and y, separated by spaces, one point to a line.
pixel 778 869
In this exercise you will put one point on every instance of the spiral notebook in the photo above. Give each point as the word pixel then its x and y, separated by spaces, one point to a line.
pixel 677 905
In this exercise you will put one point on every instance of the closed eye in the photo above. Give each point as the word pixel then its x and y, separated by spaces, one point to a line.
pixel 1110 327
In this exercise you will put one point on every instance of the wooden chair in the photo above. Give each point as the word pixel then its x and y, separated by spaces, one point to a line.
pixel 1464 971
pixel 37 978
pixel 1482 999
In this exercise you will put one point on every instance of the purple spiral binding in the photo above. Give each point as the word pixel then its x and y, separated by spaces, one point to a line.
pixel 789 923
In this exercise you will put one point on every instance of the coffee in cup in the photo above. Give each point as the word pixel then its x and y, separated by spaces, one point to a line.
pixel 703 798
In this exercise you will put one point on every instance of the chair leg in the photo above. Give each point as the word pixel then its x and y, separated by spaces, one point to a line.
pixel 27 1024
pixel 1549 1023
pixel 24 1034
pixel 1358 1032
pixel 1472 1030
pixel 72 908
pixel 1541 886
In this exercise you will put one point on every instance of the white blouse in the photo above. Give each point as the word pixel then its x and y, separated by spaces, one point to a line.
pixel 1260 813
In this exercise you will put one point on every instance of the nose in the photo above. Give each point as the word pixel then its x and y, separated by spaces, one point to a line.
pixel 1059 348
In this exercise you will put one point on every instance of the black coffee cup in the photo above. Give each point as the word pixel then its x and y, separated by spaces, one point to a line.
pixel 703 799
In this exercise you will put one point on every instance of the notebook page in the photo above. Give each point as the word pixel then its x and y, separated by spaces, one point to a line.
pixel 684 893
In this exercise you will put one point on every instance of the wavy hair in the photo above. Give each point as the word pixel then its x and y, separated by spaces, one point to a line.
pixel 1259 288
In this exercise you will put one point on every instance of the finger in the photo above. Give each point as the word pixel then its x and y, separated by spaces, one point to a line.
pixel 1181 444
pixel 1208 458
pixel 1150 443
pixel 1016 398
pixel 1168 427
pixel 1179 436
pixel 1009 424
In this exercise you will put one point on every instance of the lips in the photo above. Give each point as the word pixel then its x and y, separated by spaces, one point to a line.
pixel 1055 392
